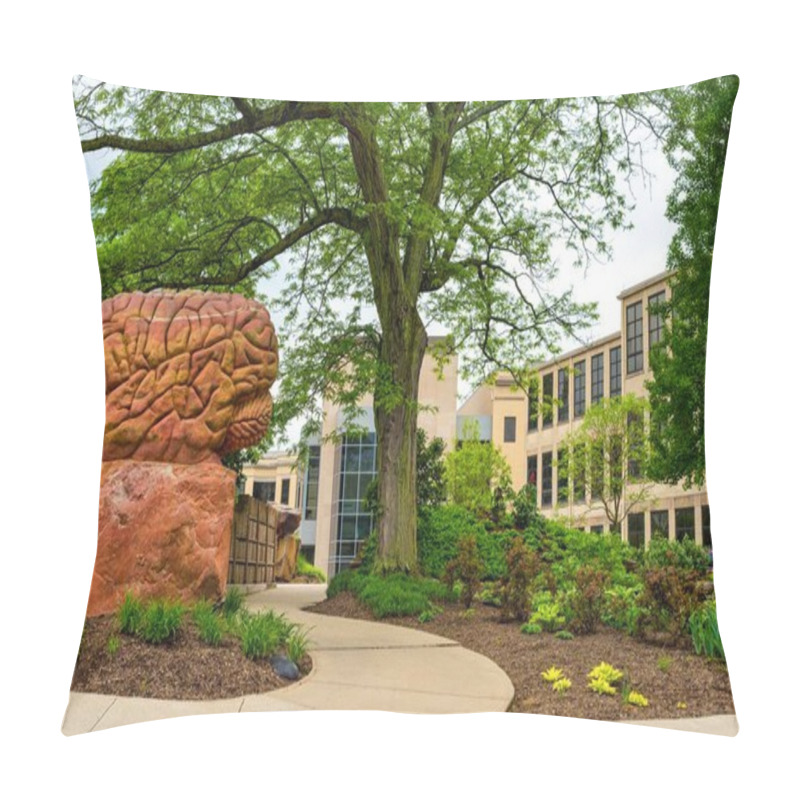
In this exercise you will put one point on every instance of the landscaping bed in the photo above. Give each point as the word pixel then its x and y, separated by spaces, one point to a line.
pixel 666 676
pixel 185 665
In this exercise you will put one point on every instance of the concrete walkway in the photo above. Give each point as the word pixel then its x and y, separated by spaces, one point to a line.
pixel 358 665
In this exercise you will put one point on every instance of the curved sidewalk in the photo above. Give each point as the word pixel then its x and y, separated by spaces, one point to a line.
pixel 358 665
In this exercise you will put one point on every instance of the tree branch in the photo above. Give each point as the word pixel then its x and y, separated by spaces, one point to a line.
pixel 273 117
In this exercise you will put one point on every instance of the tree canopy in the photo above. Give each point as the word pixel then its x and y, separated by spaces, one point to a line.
pixel 695 147
pixel 362 223
pixel 606 458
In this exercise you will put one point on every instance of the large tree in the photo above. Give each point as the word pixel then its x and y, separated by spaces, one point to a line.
pixel 695 147
pixel 380 217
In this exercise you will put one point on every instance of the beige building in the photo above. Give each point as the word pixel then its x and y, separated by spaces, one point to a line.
pixel 334 482
pixel 332 487
pixel 531 437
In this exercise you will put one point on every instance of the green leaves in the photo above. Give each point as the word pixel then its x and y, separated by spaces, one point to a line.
pixel 696 147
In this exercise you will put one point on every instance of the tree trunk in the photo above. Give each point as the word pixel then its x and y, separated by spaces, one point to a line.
pixel 402 351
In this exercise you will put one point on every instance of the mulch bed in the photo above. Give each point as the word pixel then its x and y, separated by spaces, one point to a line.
pixel 186 669
pixel 699 683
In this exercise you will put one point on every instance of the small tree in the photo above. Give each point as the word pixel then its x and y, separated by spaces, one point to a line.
pixel 431 487
pixel 611 445
pixel 477 474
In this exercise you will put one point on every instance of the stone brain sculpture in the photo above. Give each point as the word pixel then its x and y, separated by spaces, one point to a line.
pixel 187 375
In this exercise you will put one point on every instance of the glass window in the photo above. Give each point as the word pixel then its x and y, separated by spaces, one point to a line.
pixel 264 490
pixel 635 444
pixel 533 407
pixel 312 483
pixel 563 395
pixel 509 429
pixel 597 378
pixel 596 470
pixel 615 371
pixel 655 319
pixel 579 475
pixel 285 491
pixel 547 480
pixel 659 524
pixel 706 512
pixel 579 388
pixel 633 337
pixel 563 478
pixel 636 530
pixel 353 521
pixel 547 400
pixel 597 529
pixel 532 472
pixel 684 523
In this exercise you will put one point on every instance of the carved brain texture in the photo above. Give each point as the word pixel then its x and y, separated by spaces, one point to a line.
pixel 187 375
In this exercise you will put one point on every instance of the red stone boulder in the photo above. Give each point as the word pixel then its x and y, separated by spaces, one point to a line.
pixel 164 531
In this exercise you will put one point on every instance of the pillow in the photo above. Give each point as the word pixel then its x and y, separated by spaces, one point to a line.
pixel 366 263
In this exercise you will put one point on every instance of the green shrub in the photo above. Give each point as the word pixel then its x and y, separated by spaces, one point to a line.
pixel 620 609
pixel 129 614
pixel 400 595
pixel 549 616
pixel 263 634
pixel 368 551
pixel 348 580
pixel 683 555
pixel 297 645
pixel 466 568
pixel 668 599
pixel 704 629
pixel 531 628
pixel 430 613
pixel 587 601
pixel 308 570
pixel 525 513
pixel 209 625
pixel 233 601
pixel 161 621
pixel 522 566
pixel 565 635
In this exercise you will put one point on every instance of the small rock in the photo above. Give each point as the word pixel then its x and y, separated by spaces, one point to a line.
pixel 285 667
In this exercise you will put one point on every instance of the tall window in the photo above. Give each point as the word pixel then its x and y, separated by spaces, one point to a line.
pixel 547 400
pixel 597 378
pixel 509 429
pixel 636 530
pixel 579 475
pixel 684 524
pixel 635 444
pixel 285 491
pixel 353 521
pixel 659 524
pixel 533 407
pixel 615 371
pixel 706 512
pixel 532 471
pixel 655 319
pixel 563 395
pixel 312 483
pixel 264 490
pixel 633 337
pixel 596 470
pixel 579 387
pixel 547 480
pixel 563 478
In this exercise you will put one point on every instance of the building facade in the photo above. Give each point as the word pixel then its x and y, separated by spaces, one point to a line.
pixel 529 432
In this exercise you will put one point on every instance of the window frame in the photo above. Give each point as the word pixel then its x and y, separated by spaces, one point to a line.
pixel 597 378
pixel 563 395
pixel 634 337
pixel 615 371
pixel 579 389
